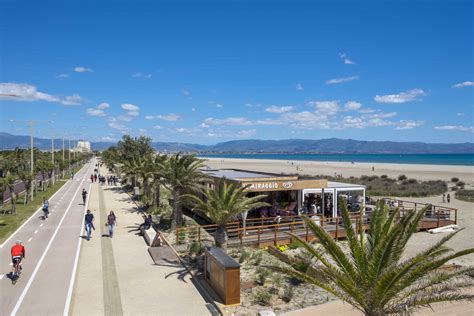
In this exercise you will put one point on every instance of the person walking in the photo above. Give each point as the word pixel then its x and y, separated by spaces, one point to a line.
pixel 444 197
pixel 89 224
pixel 84 196
pixel 111 222
pixel 448 198
pixel 45 208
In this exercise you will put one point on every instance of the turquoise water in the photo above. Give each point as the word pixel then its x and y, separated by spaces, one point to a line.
pixel 425 159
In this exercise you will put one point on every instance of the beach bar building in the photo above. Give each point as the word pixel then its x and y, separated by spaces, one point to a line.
pixel 291 194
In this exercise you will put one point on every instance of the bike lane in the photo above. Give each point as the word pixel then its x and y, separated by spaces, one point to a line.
pixel 37 235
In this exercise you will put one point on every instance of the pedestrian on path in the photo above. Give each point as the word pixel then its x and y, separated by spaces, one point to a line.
pixel 448 198
pixel 89 223
pixel 111 222
pixel 444 198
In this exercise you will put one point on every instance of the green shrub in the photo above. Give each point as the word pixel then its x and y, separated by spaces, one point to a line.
pixel 261 275
pixel 288 293
pixel 244 255
pixel 294 245
pixel 454 179
pixel 402 177
pixel 454 188
pixel 262 297
pixel 257 257
pixel 460 184
pixel 196 248
pixel 465 195
pixel 384 176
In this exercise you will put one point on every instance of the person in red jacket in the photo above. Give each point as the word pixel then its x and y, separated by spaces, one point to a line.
pixel 18 253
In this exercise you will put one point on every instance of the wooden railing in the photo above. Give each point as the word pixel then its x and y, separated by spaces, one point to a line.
pixel 259 230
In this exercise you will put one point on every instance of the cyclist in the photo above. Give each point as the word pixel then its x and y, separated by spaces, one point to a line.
pixel 84 195
pixel 45 208
pixel 18 253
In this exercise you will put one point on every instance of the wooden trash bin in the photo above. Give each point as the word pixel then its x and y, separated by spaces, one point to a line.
pixel 223 274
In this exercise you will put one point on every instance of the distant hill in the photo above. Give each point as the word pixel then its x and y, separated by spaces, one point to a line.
pixel 326 146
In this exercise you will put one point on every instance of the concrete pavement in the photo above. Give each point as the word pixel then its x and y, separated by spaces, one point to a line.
pixel 143 287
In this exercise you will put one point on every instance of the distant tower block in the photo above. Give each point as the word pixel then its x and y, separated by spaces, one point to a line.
pixel 82 147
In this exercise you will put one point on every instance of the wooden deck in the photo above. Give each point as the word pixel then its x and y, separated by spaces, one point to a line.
pixel 263 232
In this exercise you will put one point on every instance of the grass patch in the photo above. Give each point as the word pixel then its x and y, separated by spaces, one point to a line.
pixel 9 223
pixel 465 195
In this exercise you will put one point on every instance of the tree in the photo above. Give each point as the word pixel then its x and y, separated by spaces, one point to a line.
pixel 223 204
pixel 159 164
pixel 44 167
pixel 8 184
pixel 27 179
pixel 369 273
pixel 181 175
pixel 129 148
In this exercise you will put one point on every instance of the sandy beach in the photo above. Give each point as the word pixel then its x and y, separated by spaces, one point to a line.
pixel 347 169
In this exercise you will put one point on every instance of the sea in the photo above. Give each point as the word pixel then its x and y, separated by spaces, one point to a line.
pixel 424 159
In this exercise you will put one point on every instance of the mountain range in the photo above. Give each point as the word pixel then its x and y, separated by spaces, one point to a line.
pixel 300 146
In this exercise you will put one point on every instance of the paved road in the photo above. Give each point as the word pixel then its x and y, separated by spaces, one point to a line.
pixel 51 246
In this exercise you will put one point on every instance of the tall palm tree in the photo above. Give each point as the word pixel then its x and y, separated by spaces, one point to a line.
pixel 27 179
pixel 223 204
pixel 158 166
pixel 8 184
pixel 181 175
pixel 369 272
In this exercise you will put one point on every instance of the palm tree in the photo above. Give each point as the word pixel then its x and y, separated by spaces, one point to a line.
pixel 182 174
pixel 8 184
pixel 27 180
pixel 369 273
pixel 158 166
pixel 223 204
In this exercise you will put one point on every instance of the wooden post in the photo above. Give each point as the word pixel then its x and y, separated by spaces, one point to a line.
pixel 177 235
pixel 199 233
pixel 322 221
pixel 240 236
pixel 275 235
pixel 455 216
pixel 258 237
pixel 434 209
pixel 337 228
pixel 306 233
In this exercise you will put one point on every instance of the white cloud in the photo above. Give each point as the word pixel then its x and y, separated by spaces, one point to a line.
pixel 408 124
pixel 218 105
pixel 170 117
pixel 95 112
pixel 464 84
pixel 460 114
pixel 226 121
pixel 149 117
pixel 124 118
pixel 367 110
pixel 299 87
pixel 193 109
pixel 141 75
pixel 130 107
pixel 26 92
pixel 103 106
pixel 83 69
pixel 157 127
pixel 133 113
pixel 454 128
pixel 325 107
pixel 382 115
pixel 117 126
pixel 279 109
pixel 305 120
pixel 62 76
pixel 342 80
pixel 402 97
pixel 346 59
pixel 74 99
pixel 246 133
pixel 185 92
pixel 352 106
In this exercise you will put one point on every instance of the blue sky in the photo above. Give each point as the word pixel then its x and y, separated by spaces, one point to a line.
pixel 210 71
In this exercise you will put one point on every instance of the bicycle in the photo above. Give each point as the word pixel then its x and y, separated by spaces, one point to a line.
pixel 16 269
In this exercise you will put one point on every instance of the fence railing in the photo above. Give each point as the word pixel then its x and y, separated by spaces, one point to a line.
pixel 273 229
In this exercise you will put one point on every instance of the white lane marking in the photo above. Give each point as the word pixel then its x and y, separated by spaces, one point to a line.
pixel 41 224
pixel 1 276
pixel 32 215
pixel 31 238
pixel 76 260
pixel 36 231
pixel 38 265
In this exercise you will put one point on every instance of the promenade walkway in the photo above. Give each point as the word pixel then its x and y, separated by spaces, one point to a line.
pixel 118 277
